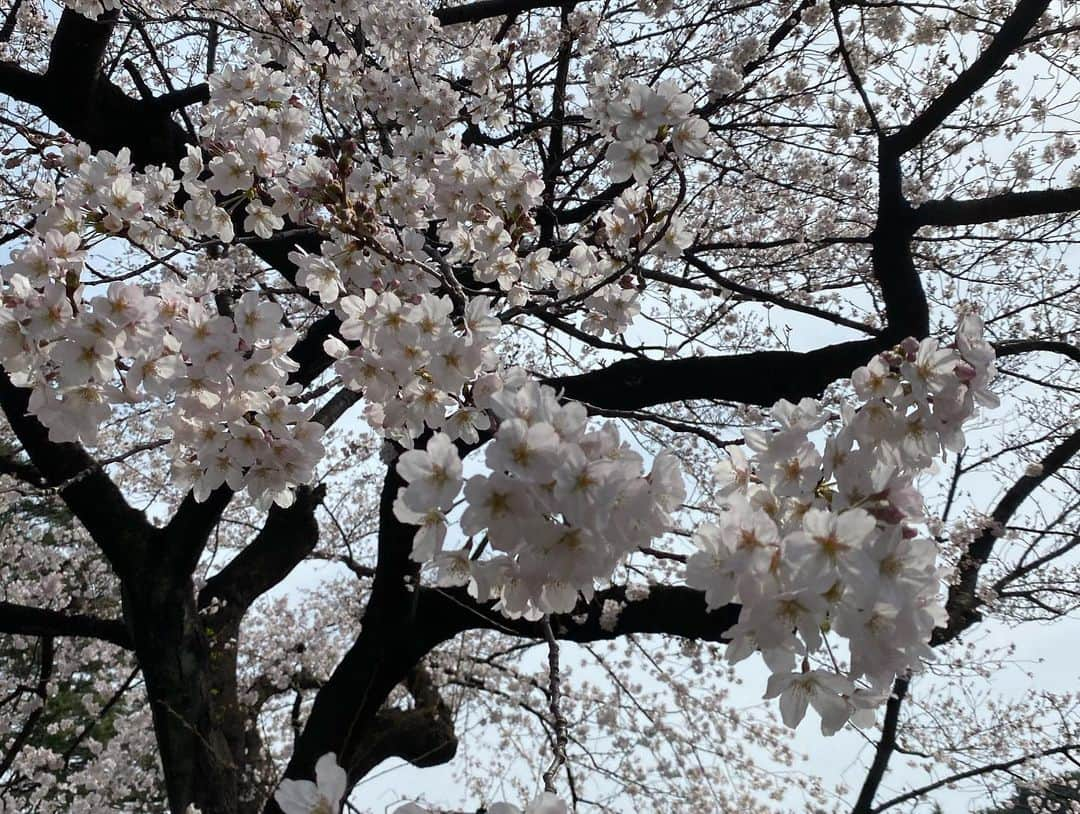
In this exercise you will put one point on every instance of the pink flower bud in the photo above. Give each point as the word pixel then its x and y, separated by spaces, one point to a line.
pixel 965 372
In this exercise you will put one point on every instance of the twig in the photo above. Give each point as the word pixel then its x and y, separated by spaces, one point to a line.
pixel 558 722
pixel 115 459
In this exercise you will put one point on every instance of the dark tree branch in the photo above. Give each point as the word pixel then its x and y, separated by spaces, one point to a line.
pixel 119 530
pixel 1009 37
pixel 78 48
pixel 757 295
pixel 82 100
pixel 884 750
pixel 186 535
pixel 287 537
pixel 1025 568
pixel 635 383
pixel 790 23
pixel 336 406
pixel 666 609
pixel 182 97
pixel 27 621
pixel 906 310
pixel 997 766
pixel 21 84
pixel 485 9
pixel 420 736
pixel 849 66
pixel 390 644
pixel 963 602
pixel 423 735
pixel 308 351
pixel 140 83
pixel 554 159
pixel 583 212
pixel 21 470
pixel 10 20
pixel 950 212
pixel 1037 346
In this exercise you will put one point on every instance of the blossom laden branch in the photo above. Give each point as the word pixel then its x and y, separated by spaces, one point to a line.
pixel 485 9
pixel 963 602
pixel 1005 42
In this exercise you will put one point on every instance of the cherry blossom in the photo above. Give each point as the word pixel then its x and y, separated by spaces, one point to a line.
pixel 324 796
pixel 550 263
pixel 810 544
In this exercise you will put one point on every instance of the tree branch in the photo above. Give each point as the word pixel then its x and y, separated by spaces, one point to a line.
pixel 423 735
pixel 420 736
pixel 989 767
pixel 21 84
pixel 950 212
pixel 186 535
pixel 757 295
pixel 666 609
pixel 485 9
pixel 20 470
pixel 27 621
pixel 119 530
pixel 286 538
pixel 635 383
pixel 8 28
pixel 1037 346
pixel 389 646
pixel 963 602
pixel 1009 37
pixel 884 749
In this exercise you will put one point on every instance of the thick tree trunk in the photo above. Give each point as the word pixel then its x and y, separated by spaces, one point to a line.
pixel 174 652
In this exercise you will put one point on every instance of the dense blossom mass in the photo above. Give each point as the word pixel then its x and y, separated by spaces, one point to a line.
pixel 809 537
pixel 560 508
pixel 349 351
pixel 816 540
pixel 412 336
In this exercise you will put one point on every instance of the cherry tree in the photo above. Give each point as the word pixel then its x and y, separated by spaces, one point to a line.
pixel 459 384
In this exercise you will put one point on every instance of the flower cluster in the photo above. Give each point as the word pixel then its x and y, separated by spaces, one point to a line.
pixel 82 354
pixel 216 348
pixel 647 123
pixel 560 508
pixel 412 363
pixel 226 367
pixel 224 364
pixel 818 542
